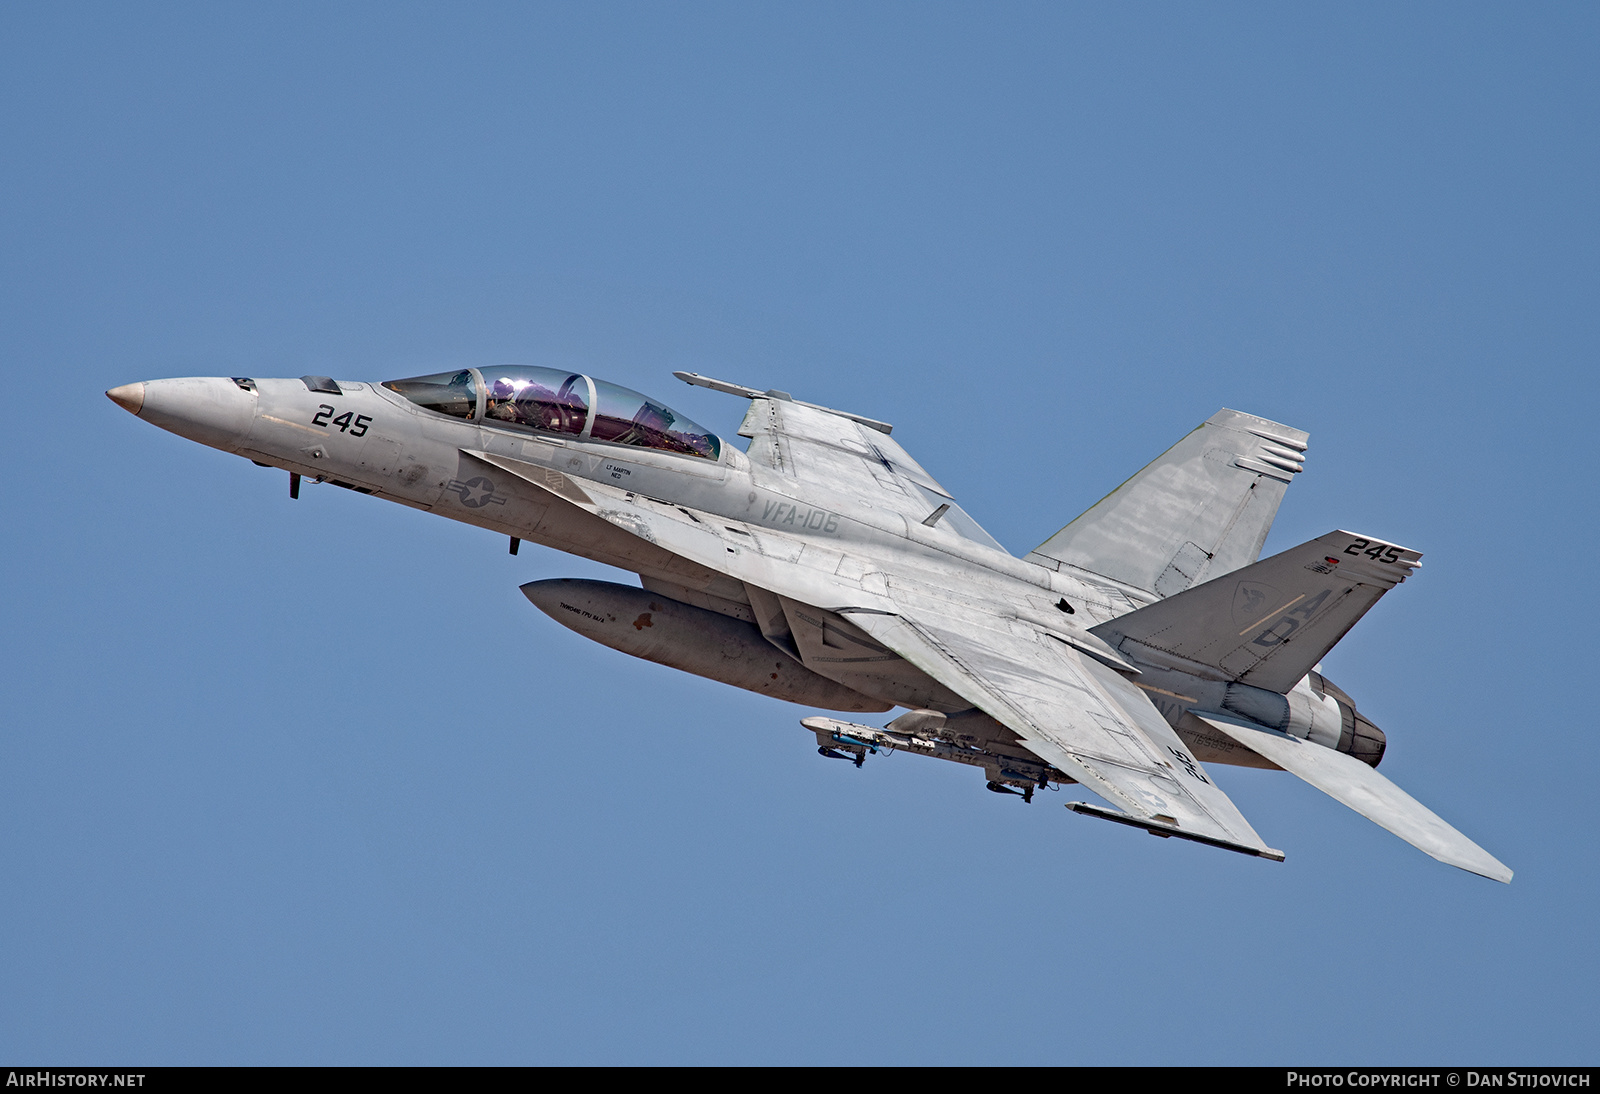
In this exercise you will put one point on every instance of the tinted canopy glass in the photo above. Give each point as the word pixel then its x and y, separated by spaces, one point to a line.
pixel 555 401
pixel 537 398
pixel 626 417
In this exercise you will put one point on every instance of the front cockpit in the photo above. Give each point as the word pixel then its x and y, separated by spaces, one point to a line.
pixel 547 400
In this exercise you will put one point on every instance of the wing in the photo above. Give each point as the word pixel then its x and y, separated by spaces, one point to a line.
pixel 1071 710
pixel 820 449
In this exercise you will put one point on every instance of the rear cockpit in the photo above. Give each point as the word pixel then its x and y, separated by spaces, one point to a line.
pixel 547 400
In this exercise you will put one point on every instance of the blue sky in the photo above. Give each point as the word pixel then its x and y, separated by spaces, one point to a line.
pixel 312 782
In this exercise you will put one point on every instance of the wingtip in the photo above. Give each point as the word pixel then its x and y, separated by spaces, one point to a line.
pixel 1166 831
pixel 1498 872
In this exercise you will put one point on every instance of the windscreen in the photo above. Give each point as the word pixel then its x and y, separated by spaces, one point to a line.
pixel 451 393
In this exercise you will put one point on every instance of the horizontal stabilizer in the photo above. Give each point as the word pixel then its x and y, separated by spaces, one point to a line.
pixel 1270 623
pixel 1350 782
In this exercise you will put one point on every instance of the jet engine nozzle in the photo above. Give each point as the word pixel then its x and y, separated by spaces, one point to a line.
pixel 1316 711
pixel 1362 739
pixel 1357 735
pixel 213 410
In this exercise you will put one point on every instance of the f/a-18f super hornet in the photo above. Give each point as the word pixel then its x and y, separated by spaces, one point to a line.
pixel 1131 652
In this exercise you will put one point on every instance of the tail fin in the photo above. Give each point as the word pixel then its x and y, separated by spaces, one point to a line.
pixel 1201 509
pixel 1268 624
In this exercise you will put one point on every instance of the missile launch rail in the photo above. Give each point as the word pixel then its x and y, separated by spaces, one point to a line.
pixel 847 740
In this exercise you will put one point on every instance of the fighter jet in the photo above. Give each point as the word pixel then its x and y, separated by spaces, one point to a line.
pixel 1132 653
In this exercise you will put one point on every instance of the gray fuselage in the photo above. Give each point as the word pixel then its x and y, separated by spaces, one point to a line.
pixel 367 438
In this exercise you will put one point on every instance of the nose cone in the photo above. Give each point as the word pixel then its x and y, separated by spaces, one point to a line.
pixel 129 397
pixel 210 409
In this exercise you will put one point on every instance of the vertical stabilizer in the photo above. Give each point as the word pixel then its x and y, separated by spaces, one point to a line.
pixel 1201 509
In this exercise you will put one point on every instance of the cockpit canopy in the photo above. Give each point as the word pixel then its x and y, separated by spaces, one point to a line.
pixel 548 400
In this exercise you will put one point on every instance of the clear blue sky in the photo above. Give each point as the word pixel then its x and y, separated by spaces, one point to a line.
pixel 312 782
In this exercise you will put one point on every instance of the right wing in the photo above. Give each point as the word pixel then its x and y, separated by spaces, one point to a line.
pixel 1072 711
